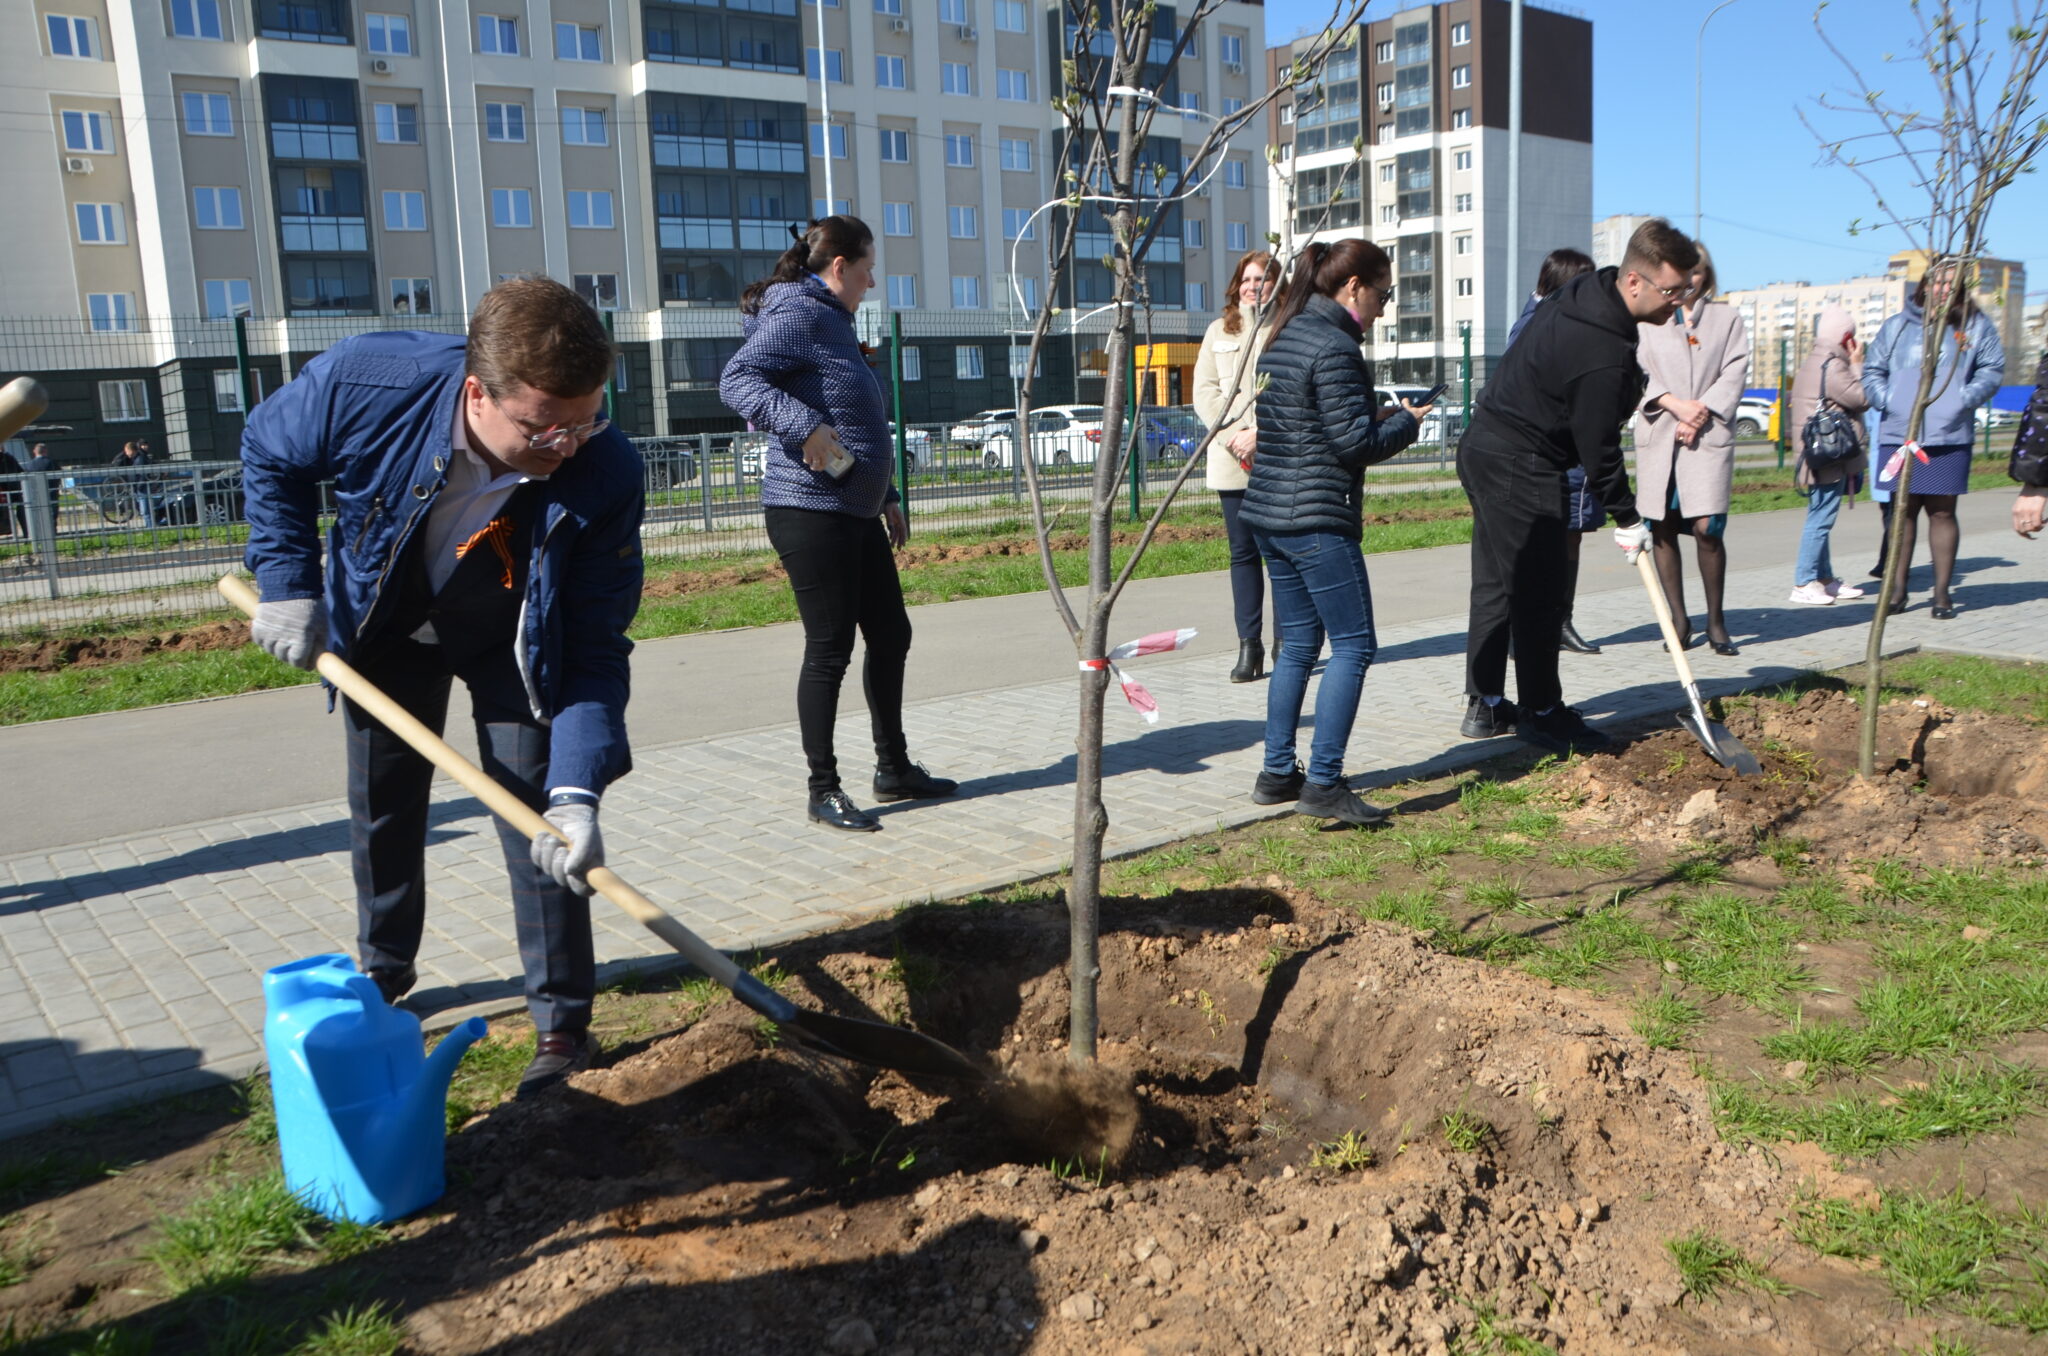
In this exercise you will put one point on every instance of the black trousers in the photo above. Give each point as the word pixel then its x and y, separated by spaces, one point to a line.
pixel 1247 572
pixel 844 575
pixel 1520 575
pixel 388 786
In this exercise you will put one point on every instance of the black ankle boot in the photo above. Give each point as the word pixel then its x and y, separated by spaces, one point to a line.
pixel 835 809
pixel 1251 662
pixel 911 782
pixel 1570 639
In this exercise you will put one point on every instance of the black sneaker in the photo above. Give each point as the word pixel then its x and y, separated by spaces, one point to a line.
pixel 1272 790
pixel 1340 803
pixel 836 809
pixel 1562 730
pixel 1489 722
pixel 395 981
pixel 556 1055
pixel 912 782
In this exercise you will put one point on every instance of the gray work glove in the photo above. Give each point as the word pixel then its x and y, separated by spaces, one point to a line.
pixel 294 630
pixel 1633 540
pixel 570 862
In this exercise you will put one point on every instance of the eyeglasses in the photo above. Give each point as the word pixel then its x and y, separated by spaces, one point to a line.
pixel 1678 293
pixel 1386 293
pixel 553 439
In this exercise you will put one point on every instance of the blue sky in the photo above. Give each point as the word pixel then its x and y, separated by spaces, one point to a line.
pixel 1772 212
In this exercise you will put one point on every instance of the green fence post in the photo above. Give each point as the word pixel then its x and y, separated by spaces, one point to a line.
pixel 1132 404
pixel 896 409
pixel 1784 401
pixel 248 378
pixel 1465 382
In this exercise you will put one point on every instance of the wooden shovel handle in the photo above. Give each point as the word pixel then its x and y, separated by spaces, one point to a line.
pixel 1663 609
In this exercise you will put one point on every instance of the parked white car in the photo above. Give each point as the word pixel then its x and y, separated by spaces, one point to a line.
pixel 976 429
pixel 1061 435
pixel 1753 417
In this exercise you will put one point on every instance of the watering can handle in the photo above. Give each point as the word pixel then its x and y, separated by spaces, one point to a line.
pixel 519 814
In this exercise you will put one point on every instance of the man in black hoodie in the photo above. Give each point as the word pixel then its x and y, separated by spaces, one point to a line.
pixel 1560 396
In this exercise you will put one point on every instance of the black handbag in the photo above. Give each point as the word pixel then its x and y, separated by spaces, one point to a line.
pixel 1829 437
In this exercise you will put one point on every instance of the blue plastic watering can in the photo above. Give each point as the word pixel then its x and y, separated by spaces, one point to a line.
pixel 361 1109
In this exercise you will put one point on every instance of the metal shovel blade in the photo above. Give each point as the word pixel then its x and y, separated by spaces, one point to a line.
pixel 884 1046
pixel 1726 749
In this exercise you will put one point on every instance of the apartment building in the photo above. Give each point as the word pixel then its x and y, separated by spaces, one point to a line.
pixel 1611 236
pixel 1781 317
pixel 2000 287
pixel 322 167
pixel 1404 139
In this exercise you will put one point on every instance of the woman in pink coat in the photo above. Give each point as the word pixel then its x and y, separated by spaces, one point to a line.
pixel 1696 363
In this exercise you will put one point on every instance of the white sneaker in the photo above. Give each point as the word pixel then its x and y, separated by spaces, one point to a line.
pixel 1813 595
pixel 1838 589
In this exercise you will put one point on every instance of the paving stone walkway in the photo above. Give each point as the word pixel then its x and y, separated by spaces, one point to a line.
pixel 132 967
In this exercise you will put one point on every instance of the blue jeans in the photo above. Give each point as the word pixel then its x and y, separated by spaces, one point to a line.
pixel 1319 590
pixel 1823 503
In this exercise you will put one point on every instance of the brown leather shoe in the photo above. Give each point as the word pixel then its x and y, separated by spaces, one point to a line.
pixel 556 1055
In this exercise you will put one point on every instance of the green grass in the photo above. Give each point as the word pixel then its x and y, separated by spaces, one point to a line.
pixel 1500 895
pixel 1464 1132
pixel 1963 1100
pixel 1592 945
pixel 1422 910
pixel 488 1073
pixel 1347 1153
pixel 1972 682
pixel 18 1252
pixel 29 1178
pixel 1953 1251
pixel 1666 1021
pixel 174 677
pixel 1737 947
pixel 1492 1335
pixel 224 1237
pixel 1708 1264
pixel 369 1331
pixel 1612 858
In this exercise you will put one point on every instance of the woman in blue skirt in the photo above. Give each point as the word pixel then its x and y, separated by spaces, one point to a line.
pixel 1972 364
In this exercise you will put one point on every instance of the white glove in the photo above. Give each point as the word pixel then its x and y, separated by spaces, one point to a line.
pixel 294 630
pixel 570 862
pixel 1632 540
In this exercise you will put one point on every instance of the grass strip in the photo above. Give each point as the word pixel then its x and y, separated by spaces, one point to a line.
pixel 1708 1264
pixel 1951 1250
pixel 1963 1101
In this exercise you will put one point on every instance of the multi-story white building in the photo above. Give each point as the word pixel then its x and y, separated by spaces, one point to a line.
pixel 1611 237
pixel 1405 141
pixel 324 166
pixel 1781 317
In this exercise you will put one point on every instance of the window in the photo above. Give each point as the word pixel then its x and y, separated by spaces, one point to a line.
pixel 1231 105
pixel 1194 233
pixel 966 294
pixel 835 65
pixel 590 209
pixel 1461 160
pixel 820 207
pixel 601 290
pixel 88 132
pixel 895 146
pixel 217 209
pixel 838 141
pixel 227 298
pixel 963 223
pixel 100 223
pixel 956 77
pixel 208 115
pixel 505 122
pixel 1461 34
pixel 497 35
pixel 1462 244
pixel 390 34
pixel 1018 224
pixel 73 36
pixel 1191 101
pixel 1383 52
pixel 1461 202
pixel 584 127
pixel 123 402
pixel 1287 115
pixel 967 359
pixel 573 42
pixel 896 218
pixel 1231 49
pixel 112 311
pixel 196 19
pixel 227 389
pixel 1020 355
pixel 404 210
pixel 1464 287
pixel 913 363
pixel 412 296
pixel 903 291
pixel 1387 172
pixel 1387 217
pixel 1017 153
pixel 888 6
pixel 1460 118
pixel 1233 173
pixel 953 11
pixel 1461 77
pixel 1237 235
pixel 1385 93
pixel 512 207
pixel 959 151
pixel 397 124
pixel 1198 296
pixel 1010 16
pixel 1013 85
pixel 889 73
pixel 1385 133
pixel 1029 288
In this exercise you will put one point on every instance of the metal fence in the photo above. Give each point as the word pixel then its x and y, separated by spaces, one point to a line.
pixel 102 546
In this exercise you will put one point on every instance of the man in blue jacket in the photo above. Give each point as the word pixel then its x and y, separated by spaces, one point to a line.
pixel 487 528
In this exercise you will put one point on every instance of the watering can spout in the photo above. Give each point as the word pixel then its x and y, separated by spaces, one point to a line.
pixel 429 1096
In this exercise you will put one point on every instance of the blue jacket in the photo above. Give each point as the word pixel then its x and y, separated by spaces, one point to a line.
pixel 1891 378
pixel 801 366
pixel 375 414
pixel 1317 433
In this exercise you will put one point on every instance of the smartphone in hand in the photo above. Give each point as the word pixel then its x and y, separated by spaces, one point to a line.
pixel 1436 393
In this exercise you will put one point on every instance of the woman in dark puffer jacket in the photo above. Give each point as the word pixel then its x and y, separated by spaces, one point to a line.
pixel 1318 430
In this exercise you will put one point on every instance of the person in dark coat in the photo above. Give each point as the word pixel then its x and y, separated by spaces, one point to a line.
pixel 2029 464
pixel 831 509
pixel 13 514
pixel 1560 396
pixel 1318 429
